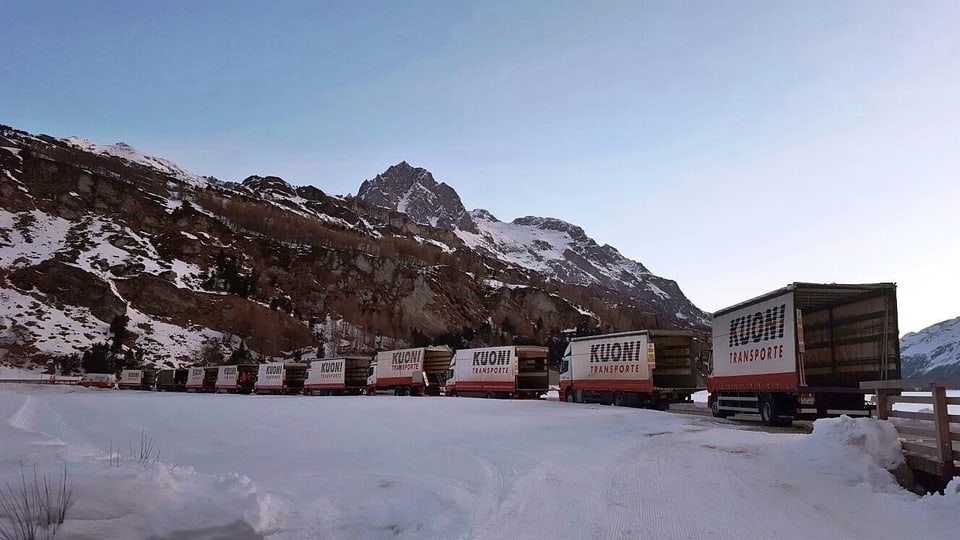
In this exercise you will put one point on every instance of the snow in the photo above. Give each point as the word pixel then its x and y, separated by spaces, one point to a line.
pixel 129 153
pixel 28 238
pixel 387 467
pixel 931 348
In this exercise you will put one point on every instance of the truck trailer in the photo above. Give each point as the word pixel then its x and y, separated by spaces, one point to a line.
pixel 410 372
pixel 138 379
pixel 499 372
pixel 202 379
pixel 280 378
pixel 800 352
pixel 645 368
pixel 337 376
pixel 237 379
pixel 172 380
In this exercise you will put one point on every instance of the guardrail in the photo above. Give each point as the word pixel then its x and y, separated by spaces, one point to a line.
pixel 43 379
pixel 928 437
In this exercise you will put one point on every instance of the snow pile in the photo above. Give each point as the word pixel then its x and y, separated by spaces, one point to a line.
pixel 860 450
pixel 137 501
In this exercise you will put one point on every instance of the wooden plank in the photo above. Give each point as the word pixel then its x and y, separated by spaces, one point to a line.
pixel 911 415
pixel 942 426
pixel 919 463
pixel 924 450
pixel 883 404
pixel 926 400
pixel 911 384
pixel 919 432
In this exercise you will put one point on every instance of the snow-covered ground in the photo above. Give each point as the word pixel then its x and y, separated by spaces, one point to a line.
pixel 386 467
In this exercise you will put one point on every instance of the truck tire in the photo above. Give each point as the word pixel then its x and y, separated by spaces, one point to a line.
pixel 768 411
pixel 618 399
pixel 489 395
pixel 715 410
pixel 571 398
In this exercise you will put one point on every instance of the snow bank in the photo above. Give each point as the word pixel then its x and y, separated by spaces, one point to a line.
pixel 860 450
pixel 134 501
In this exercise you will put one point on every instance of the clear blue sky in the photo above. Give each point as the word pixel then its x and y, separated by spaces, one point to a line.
pixel 732 146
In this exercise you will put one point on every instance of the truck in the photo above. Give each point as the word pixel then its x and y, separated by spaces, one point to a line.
pixel 643 368
pixel 410 372
pixel 337 376
pixel 138 379
pixel 516 371
pixel 98 380
pixel 202 379
pixel 172 380
pixel 280 378
pixel 237 379
pixel 800 352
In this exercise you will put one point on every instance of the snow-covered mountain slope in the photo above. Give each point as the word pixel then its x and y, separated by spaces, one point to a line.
pixel 125 151
pixel 553 248
pixel 933 351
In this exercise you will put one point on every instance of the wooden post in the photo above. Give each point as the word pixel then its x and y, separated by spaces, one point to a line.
pixel 942 427
pixel 882 403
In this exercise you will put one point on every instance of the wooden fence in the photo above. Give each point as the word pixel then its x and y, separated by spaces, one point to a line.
pixel 930 438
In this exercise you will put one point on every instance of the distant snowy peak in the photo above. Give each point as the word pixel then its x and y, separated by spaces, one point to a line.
pixel 125 151
pixel 554 224
pixel 933 351
pixel 413 191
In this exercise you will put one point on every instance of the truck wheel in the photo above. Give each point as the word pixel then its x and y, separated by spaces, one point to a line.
pixel 618 399
pixel 571 398
pixel 715 409
pixel 768 411
pixel 489 395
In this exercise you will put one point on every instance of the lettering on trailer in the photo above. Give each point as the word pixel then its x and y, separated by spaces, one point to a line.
pixel 765 325
pixel 274 370
pixel 406 360
pixel 331 370
pixel 229 370
pixel 616 368
pixel 133 376
pixel 490 362
pixel 620 351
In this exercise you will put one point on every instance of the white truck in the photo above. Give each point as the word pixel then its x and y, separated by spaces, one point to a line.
pixel 801 351
pixel 516 371
pixel 280 378
pixel 202 379
pixel 410 371
pixel 645 368
pixel 237 379
pixel 138 379
pixel 337 376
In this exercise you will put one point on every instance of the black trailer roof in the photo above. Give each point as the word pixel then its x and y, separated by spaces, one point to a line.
pixel 651 333
pixel 815 294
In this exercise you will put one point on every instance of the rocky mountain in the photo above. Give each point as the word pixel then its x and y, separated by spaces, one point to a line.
pixel 551 247
pixel 193 269
pixel 932 352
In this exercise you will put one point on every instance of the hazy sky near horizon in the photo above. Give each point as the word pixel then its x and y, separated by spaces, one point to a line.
pixel 732 146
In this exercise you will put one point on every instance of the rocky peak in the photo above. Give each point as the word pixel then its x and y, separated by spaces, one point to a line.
pixel 414 191
pixel 267 185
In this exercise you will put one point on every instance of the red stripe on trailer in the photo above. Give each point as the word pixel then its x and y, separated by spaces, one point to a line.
pixel 270 387
pixel 397 381
pixel 611 385
pixel 755 383
pixel 481 386
pixel 324 386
